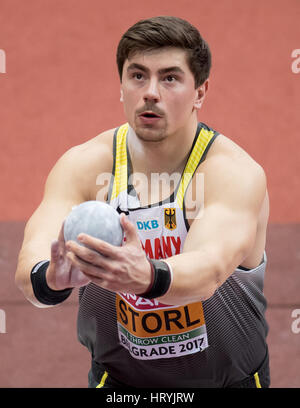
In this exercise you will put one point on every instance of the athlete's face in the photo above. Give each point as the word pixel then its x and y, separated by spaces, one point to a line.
pixel 158 93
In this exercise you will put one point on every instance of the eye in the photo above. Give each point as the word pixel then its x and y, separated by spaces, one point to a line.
pixel 137 75
pixel 170 78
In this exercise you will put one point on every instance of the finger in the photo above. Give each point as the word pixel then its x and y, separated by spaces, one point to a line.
pixel 88 269
pixel 129 229
pixel 102 247
pixel 89 256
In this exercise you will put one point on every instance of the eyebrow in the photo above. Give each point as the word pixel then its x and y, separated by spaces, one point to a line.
pixel 167 70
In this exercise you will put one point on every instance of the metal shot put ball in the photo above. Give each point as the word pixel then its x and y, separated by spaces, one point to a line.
pixel 94 218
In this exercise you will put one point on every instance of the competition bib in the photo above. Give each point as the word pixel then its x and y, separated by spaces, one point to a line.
pixel 152 330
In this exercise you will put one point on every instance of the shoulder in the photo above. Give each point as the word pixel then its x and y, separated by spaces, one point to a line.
pixel 232 173
pixel 225 152
pixel 80 165
pixel 97 150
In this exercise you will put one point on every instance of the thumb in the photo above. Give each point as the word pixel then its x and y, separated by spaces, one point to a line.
pixel 61 236
pixel 129 230
pixel 58 247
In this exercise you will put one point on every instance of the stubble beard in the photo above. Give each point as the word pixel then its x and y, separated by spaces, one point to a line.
pixel 150 134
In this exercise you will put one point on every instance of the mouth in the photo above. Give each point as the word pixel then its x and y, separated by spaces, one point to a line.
pixel 149 115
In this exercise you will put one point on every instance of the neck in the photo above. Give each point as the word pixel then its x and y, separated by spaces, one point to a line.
pixel 166 156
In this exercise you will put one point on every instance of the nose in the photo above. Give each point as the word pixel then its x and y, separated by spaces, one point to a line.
pixel 152 91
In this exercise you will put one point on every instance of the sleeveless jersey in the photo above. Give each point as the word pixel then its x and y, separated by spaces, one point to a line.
pixel 144 343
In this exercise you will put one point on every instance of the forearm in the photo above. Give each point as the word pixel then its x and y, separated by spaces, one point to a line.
pixel 23 282
pixel 28 258
pixel 196 276
pixel 40 231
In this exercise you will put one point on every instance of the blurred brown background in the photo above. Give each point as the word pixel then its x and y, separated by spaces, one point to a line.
pixel 61 88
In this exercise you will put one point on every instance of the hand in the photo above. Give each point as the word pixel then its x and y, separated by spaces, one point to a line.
pixel 61 274
pixel 119 269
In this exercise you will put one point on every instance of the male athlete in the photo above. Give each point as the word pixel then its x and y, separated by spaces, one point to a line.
pixel 180 303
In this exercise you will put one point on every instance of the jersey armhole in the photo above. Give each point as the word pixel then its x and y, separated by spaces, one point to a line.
pixel 187 225
pixel 112 178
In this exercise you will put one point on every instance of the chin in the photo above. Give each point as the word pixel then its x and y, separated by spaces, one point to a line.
pixel 150 134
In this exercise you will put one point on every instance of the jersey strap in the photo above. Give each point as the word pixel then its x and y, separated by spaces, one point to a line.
pixel 120 162
pixel 203 142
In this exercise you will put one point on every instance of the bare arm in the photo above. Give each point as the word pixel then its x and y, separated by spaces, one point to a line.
pixel 63 189
pixel 223 236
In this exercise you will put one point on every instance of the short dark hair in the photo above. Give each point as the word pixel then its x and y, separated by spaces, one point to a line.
pixel 167 31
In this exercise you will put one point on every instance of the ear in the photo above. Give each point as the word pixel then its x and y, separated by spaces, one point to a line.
pixel 121 97
pixel 200 94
